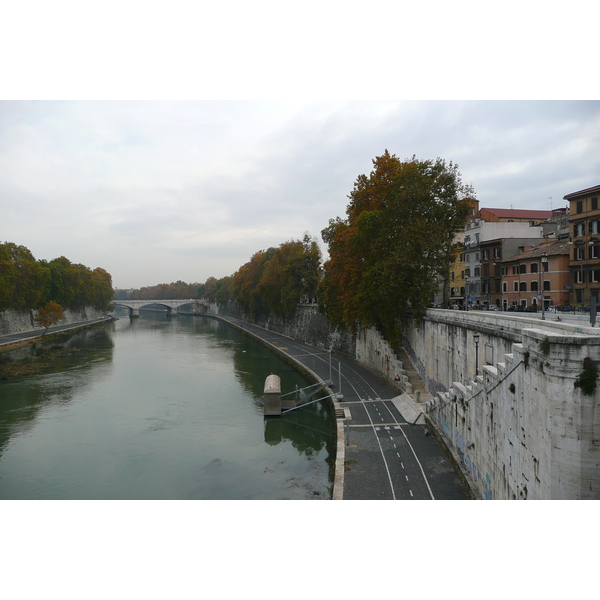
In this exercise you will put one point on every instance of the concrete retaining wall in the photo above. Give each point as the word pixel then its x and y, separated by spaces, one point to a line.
pixel 521 429
pixel 20 321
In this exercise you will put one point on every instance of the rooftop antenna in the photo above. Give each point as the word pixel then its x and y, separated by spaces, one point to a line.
pixel 550 198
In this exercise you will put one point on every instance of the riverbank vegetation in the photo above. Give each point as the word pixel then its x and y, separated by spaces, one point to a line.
pixel 178 290
pixel 386 258
pixel 393 249
pixel 27 283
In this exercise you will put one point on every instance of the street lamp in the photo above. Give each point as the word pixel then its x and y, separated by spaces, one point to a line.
pixel 544 262
pixel 476 340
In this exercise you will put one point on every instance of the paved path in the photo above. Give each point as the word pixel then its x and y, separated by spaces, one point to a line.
pixel 386 456
pixel 36 333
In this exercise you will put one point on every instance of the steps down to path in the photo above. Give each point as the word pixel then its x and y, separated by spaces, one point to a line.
pixel 415 387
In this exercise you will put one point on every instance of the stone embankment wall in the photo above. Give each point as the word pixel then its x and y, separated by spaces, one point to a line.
pixel 523 428
pixel 312 327
pixel 20 321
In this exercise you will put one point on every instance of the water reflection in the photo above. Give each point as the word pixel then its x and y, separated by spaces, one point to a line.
pixel 161 408
pixel 70 364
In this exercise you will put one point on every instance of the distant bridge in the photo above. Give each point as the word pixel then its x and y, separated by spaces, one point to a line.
pixel 172 306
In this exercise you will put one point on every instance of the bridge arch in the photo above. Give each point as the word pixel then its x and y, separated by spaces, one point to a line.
pixel 172 306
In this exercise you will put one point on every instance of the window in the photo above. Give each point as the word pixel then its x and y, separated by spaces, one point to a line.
pixel 579 229
pixel 467 272
pixel 595 203
pixel 579 253
pixel 546 266
pixel 486 286
pixel 452 276
pixel 515 269
pixel 595 275
pixel 579 206
pixel 534 286
pixel 594 251
pixel 534 268
pixel 546 285
pixel 505 286
pixel 593 227
pixel 523 286
pixel 497 286
pixel 522 268
pixel 496 252
pixel 486 255
pixel 579 278
pixel 504 271
pixel 516 286
pixel 476 272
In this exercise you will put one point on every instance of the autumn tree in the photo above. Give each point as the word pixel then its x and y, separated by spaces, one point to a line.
pixel 49 315
pixel 275 280
pixel 27 283
pixel 388 256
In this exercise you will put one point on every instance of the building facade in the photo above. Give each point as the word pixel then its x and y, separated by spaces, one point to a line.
pixel 540 273
pixel 514 215
pixel 477 232
pixel 584 225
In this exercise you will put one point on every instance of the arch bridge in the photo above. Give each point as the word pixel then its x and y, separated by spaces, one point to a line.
pixel 172 306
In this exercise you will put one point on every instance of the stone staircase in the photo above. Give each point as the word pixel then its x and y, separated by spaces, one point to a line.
pixel 415 387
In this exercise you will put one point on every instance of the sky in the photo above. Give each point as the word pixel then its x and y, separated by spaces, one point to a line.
pixel 160 191
pixel 173 145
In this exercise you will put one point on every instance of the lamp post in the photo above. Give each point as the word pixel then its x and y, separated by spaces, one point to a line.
pixel 544 262
pixel 476 340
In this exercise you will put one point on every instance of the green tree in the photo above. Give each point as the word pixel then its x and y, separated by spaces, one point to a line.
pixel 275 280
pixel 393 249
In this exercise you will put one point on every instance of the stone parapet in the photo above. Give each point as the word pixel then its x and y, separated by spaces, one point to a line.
pixel 526 428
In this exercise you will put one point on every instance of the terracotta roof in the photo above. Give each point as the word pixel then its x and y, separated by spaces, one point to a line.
pixel 587 191
pixel 520 213
pixel 551 249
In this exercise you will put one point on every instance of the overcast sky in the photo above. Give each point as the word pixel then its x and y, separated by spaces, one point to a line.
pixel 160 190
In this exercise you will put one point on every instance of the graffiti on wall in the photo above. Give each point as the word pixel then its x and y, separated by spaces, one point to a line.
pixel 434 386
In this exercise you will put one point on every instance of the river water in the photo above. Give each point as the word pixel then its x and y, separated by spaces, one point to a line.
pixel 158 408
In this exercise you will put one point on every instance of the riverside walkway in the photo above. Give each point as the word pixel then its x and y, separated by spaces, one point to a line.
pixel 12 338
pixel 380 456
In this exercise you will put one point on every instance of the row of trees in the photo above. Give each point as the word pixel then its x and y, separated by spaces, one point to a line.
pixel 386 258
pixel 273 281
pixel 178 290
pixel 27 283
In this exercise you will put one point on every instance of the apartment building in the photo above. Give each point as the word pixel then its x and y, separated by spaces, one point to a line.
pixel 479 231
pixel 584 225
pixel 536 274
pixel 514 215
pixel 492 253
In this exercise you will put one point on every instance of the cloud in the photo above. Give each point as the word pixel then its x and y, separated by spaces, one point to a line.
pixel 160 191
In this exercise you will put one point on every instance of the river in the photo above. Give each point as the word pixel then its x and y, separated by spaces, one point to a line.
pixel 161 408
